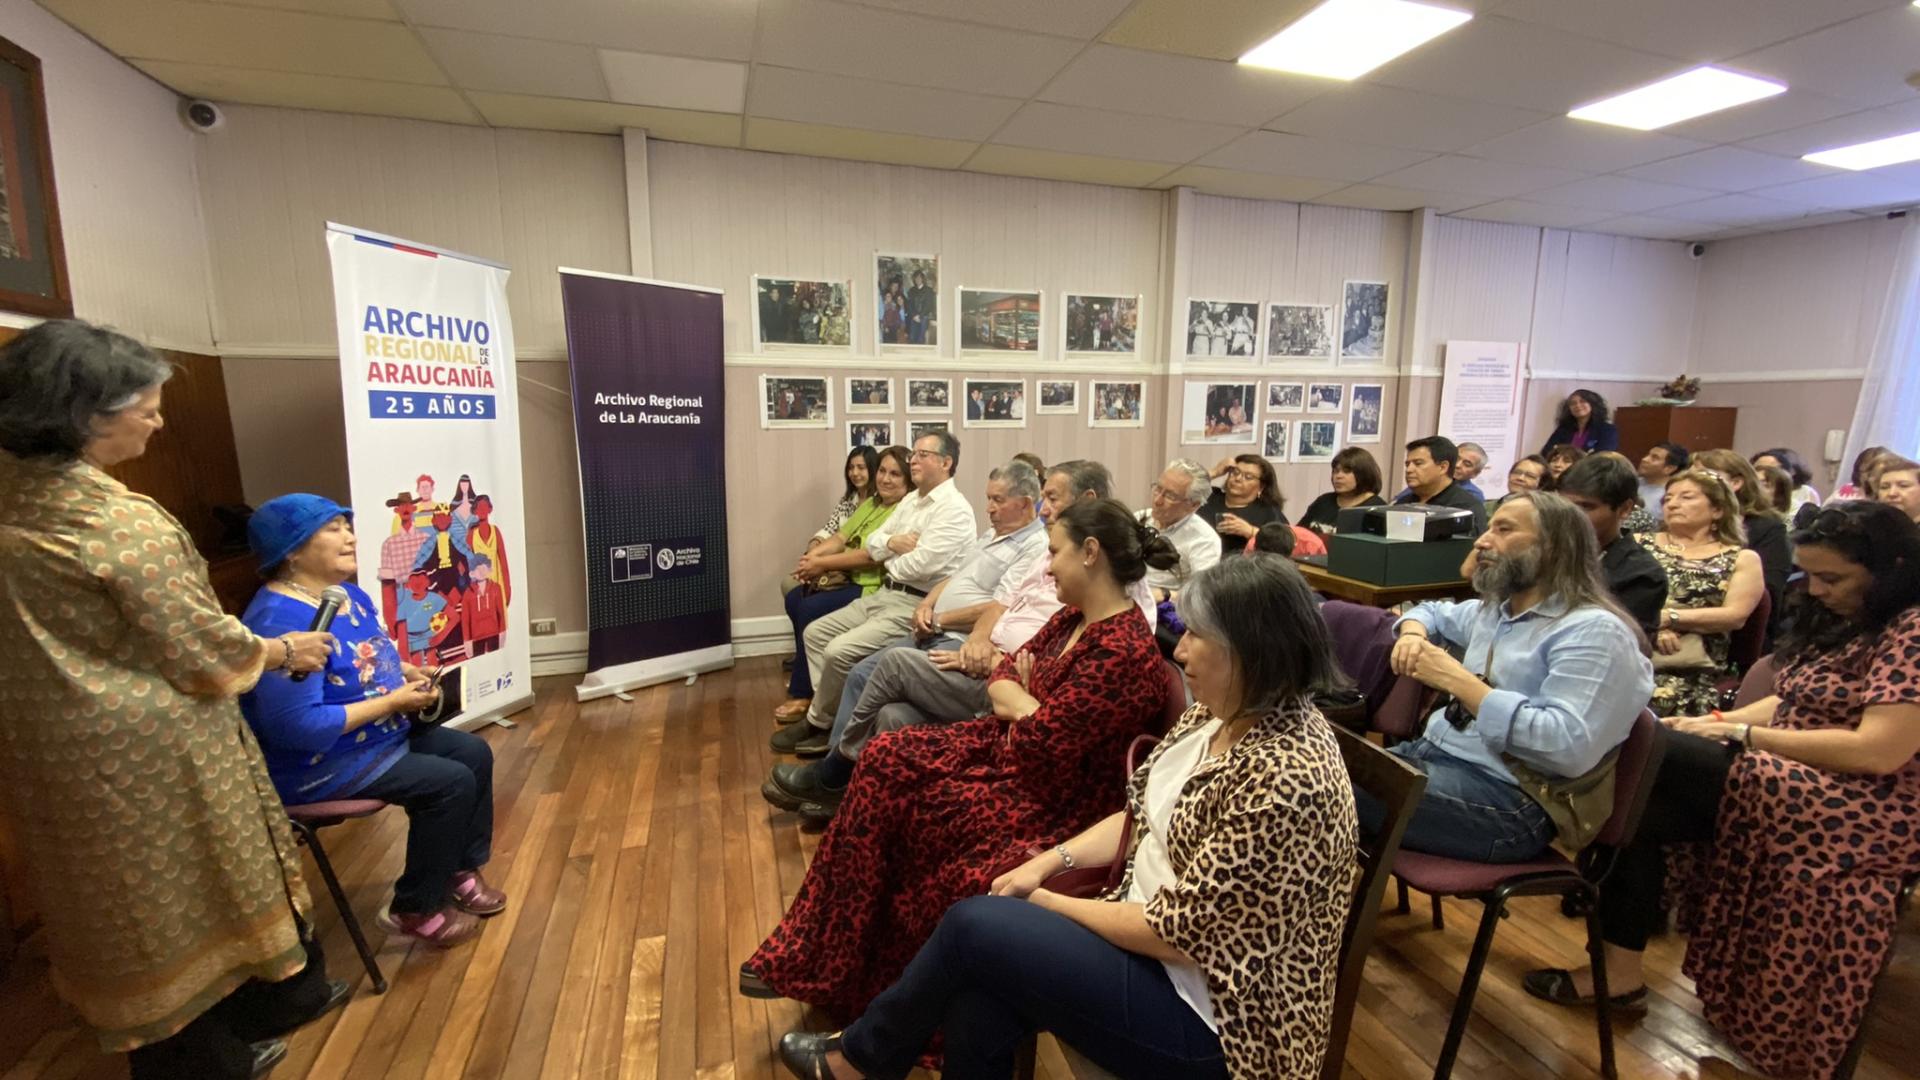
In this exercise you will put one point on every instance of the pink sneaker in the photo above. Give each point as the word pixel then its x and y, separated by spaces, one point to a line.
pixel 443 929
pixel 472 893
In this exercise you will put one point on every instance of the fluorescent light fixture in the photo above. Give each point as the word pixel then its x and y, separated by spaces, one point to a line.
pixel 1682 97
pixel 1345 39
pixel 1871 155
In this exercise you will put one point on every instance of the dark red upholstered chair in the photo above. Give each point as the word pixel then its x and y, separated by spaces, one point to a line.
pixel 1745 647
pixel 1175 704
pixel 1756 684
pixel 1550 875
pixel 307 821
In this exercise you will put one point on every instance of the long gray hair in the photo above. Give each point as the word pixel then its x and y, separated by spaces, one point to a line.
pixel 1570 557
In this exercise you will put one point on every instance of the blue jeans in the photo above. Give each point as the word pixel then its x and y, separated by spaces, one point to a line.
pixel 997 970
pixel 445 783
pixel 1466 812
pixel 803 607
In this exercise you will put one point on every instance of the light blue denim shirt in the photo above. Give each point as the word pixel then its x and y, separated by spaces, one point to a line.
pixel 1567 684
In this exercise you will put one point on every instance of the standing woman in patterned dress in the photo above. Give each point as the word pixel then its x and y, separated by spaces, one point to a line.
pixel 1713 585
pixel 1809 804
pixel 160 859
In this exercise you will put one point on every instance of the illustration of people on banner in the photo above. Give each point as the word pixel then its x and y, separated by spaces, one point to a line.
pixel 445 579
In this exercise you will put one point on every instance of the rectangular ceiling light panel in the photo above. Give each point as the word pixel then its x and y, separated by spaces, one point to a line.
pixel 1871 155
pixel 1684 96
pixel 1345 39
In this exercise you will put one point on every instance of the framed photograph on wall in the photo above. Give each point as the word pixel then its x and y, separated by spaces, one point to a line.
pixel 999 322
pixel 1363 422
pixel 1218 412
pixel 866 394
pixel 1100 326
pixel 907 292
pixel 992 403
pixel 796 401
pixel 1299 332
pixel 1316 440
pixel 798 315
pixel 1289 397
pixel 875 433
pixel 1326 397
pixel 1363 321
pixel 929 395
pixel 33 258
pixel 1273 441
pixel 920 429
pixel 1222 329
pixel 1058 397
pixel 1116 404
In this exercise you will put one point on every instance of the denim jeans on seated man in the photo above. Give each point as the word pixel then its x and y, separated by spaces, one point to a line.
pixel 1466 812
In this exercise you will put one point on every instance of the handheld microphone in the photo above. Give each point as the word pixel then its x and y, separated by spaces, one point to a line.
pixel 331 601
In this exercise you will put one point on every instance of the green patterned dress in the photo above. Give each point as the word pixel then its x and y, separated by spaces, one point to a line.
pixel 1694 583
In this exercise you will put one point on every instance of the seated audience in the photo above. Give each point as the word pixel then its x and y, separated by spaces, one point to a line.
pixel 1806 805
pixel 1173 509
pixel 1776 489
pixel 1559 460
pixel 1657 466
pixel 1429 474
pixel 1249 499
pixel 1765 529
pixel 1713 584
pixel 1473 460
pixel 1219 953
pixel 1899 485
pixel 1584 422
pixel 1355 482
pixel 1605 489
pixel 1864 465
pixel 349 735
pixel 1524 475
pixel 1274 539
pixel 931 811
pixel 1551 684
pixel 836 569
pixel 1795 467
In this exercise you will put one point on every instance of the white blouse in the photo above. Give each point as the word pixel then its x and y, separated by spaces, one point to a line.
pixel 1153 870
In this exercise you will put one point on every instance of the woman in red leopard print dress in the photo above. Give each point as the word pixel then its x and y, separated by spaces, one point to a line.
pixel 1810 806
pixel 933 813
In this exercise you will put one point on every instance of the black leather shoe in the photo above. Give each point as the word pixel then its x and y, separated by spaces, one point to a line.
pixel 791 787
pixel 753 986
pixel 338 991
pixel 816 815
pixel 805 1053
pixel 266 1055
pixel 802 739
pixel 1556 985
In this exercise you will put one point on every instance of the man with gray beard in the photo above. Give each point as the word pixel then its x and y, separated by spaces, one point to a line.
pixel 1553 676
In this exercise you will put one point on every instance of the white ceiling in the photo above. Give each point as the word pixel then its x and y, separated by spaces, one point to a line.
pixel 1140 93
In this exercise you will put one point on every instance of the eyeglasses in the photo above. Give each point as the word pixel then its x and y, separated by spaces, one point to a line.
pixel 926 454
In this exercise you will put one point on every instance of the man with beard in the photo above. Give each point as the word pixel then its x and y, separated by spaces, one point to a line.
pixel 1554 675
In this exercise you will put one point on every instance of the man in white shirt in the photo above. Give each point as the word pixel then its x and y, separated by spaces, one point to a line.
pixel 1182 489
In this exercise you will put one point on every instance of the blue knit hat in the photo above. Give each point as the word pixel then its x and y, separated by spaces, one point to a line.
pixel 281 525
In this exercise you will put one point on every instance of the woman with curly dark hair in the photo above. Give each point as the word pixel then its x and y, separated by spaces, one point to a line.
pixel 1249 498
pixel 1585 421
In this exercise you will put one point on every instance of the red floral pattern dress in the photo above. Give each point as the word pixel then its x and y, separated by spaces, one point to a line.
pixel 1791 914
pixel 933 812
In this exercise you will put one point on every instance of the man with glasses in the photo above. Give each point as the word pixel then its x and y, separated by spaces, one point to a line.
pixel 1181 490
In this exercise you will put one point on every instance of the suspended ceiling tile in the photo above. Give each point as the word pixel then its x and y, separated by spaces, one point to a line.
pixel 1894 184
pixel 721 29
pixel 353 9
pixel 1580 144
pixel 1051 165
pixel 1161 84
pixel 564 114
pixel 322 92
pixel 1250 185
pixel 1866 60
pixel 817 140
pixel 1108 134
pixel 268 40
pixel 1728 168
pixel 674 82
pixel 1522 64
pixel 1215 29
pixel 1697 29
pixel 1736 210
pixel 1475 176
pixel 1617 194
pixel 815 98
pixel 1388 197
pixel 1864 126
pixel 1654 228
pixel 517 65
pixel 1362 112
pixel 1080 19
pixel 818 35
pixel 1305 155
pixel 1781 112
pixel 1526 212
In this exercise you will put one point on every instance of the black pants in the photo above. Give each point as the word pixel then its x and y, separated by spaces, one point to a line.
pixel 997 970
pixel 445 783
pixel 217 1045
pixel 1682 807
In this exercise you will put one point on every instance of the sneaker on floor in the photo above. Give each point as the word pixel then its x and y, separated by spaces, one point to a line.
pixel 802 739
pixel 443 929
pixel 472 893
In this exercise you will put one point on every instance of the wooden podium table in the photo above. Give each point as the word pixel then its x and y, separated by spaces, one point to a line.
pixel 1320 580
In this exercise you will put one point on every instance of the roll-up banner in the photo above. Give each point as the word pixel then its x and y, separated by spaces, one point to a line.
pixel 433 454
pixel 648 418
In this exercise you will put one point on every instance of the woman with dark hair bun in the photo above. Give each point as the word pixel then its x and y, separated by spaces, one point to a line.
pixel 1584 421
pixel 931 812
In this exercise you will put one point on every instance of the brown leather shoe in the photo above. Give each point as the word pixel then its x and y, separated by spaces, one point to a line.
pixel 472 893
pixel 792 709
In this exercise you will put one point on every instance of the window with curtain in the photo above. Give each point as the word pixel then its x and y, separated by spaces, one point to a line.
pixel 1889 410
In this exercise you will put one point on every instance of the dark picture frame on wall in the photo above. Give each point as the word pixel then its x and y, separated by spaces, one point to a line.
pixel 33 260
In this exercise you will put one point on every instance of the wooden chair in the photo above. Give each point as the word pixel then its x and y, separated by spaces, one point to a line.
pixel 307 822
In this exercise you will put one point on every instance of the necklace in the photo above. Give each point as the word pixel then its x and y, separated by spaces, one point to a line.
pixel 289 583
pixel 1679 547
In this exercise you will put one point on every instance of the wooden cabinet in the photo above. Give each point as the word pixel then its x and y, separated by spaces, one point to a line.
pixel 1696 427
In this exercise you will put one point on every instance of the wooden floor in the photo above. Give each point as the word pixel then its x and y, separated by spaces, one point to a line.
pixel 643 866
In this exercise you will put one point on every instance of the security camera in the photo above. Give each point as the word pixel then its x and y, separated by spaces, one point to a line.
pixel 1696 250
pixel 202 116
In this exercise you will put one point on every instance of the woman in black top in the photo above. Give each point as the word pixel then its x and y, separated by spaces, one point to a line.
pixel 1250 499
pixel 1584 421
pixel 1356 482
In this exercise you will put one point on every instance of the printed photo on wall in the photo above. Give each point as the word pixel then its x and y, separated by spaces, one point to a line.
pixel 908 289
pixel 1102 324
pixel 869 395
pixel 1218 413
pixel 1363 426
pixel 1059 397
pixel 1117 404
pixel 1300 331
pixel 1273 441
pixel 919 429
pixel 797 314
pixel 1363 322
pixel 875 433
pixel 1286 396
pixel 1316 440
pixel 1325 397
pixel 1219 328
pixel 995 403
pixel 929 395
pixel 999 321
pixel 796 401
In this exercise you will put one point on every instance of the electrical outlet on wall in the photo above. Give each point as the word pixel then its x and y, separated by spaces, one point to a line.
pixel 545 627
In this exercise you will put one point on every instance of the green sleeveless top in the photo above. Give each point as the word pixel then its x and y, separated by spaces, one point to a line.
pixel 860 524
